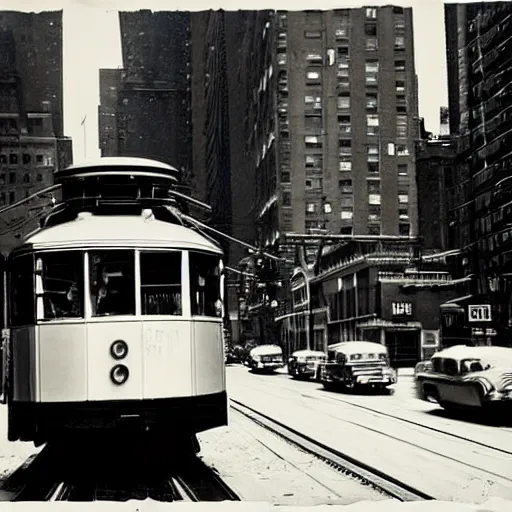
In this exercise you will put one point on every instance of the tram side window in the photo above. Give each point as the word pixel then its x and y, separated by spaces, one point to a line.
pixel 205 284
pixel 22 291
pixel 160 283
pixel 60 285
pixel 112 282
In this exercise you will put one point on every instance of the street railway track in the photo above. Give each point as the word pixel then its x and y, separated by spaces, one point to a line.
pixel 415 423
pixel 334 458
pixel 44 479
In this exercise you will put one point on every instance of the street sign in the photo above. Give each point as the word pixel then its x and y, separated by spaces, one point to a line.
pixel 479 313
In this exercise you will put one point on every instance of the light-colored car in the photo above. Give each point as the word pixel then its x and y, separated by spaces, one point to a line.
pixel 357 363
pixel 265 358
pixel 463 376
pixel 303 363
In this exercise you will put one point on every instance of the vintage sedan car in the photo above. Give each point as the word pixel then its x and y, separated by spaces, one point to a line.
pixel 467 377
pixel 303 363
pixel 357 363
pixel 265 358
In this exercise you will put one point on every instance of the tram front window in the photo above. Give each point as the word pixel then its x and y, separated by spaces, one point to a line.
pixel 112 282
pixel 160 282
pixel 59 285
pixel 22 291
pixel 205 284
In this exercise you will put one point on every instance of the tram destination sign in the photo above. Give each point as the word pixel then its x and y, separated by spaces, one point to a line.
pixel 479 313
pixel 401 308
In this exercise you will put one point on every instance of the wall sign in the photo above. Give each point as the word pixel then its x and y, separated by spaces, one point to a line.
pixel 479 313
pixel 402 309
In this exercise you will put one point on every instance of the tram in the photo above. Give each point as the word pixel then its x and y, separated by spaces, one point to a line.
pixel 115 311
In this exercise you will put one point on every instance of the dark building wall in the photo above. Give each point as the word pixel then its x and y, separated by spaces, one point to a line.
pixel 434 177
pixel 425 303
pixel 110 83
pixel 38 59
pixel 154 98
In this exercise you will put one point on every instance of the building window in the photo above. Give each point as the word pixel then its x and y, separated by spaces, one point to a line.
pixel 26 158
pixel 313 184
pixel 12 178
pixel 371 101
pixel 347 202
pixel 399 43
pixel 373 186
pixel 313 77
pixel 371 71
pixel 281 59
pixel 287 199
pixel 347 214
pixel 285 177
pixel 401 150
pixel 373 153
pixel 345 147
pixel 372 124
pixel 314 58
pixel 345 165
pixel 400 85
pixel 13 159
pixel 374 199
pixel 373 167
pixel 12 197
pixel 370 29
pixel 343 102
pixel 327 208
pixel 401 104
pixel 3 159
pixel 373 213
pixel 404 229
pixel 313 141
pixel 374 230
pixel 401 127
pixel 2 198
pixel 371 13
pixel 26 178
pixel 312 34
pixel 310 207
pixel 403 214
pixel 344 124
pixel 345 186
pixel 372 44
pixel 314 161
pixel 400 65
pixel 313 123
pixel 403 198
pixel 402 170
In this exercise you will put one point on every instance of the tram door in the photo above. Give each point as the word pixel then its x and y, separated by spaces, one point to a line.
pixel 404 348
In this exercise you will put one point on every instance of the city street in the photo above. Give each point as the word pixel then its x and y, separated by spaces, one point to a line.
pixel 451 458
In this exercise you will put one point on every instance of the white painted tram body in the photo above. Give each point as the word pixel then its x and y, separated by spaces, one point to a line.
pixel 115 320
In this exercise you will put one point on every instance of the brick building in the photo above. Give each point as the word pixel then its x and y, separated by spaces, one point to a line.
pixel 479 73
pixel 32 146
pixel 145 108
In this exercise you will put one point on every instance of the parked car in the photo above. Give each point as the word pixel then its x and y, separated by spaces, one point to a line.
pixel 265 358
pixel 467 377
pixel 303 363
pixel 357 363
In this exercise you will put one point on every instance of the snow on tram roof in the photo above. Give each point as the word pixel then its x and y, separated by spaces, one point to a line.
pixel 121 161
pixel 118 231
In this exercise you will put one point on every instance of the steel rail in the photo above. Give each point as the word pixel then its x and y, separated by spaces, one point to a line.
pixel 340 461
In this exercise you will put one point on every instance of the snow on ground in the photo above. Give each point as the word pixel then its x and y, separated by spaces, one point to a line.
pixel 260 466
pixel 440 465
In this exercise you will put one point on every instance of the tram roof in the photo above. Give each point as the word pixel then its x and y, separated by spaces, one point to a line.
pixel 89 230
pixel 120 161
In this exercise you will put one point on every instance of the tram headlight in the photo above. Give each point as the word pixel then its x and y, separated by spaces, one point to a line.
pixel 119 349
pixel 119 374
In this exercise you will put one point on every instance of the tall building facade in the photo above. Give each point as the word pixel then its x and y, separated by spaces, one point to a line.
pixel 145 108
pixel 480 92
pixel 346 98
pixel 32 145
